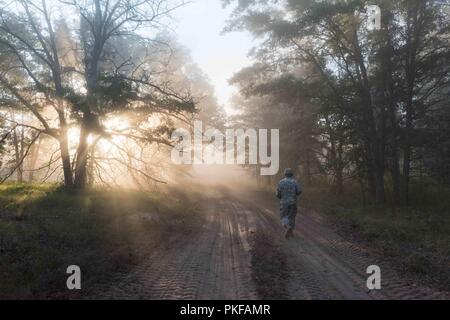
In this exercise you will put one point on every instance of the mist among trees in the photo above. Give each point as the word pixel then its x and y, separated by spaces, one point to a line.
pixel 354 105
pixel 91 90
pixel 91 96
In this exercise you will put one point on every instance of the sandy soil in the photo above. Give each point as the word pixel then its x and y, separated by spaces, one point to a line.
pixel 216 263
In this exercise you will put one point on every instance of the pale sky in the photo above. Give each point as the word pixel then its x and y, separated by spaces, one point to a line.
pixel 198 26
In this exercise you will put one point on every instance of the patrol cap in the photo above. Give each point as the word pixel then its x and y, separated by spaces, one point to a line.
pixel 288 172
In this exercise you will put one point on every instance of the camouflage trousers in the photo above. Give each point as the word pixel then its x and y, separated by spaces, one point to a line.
pixel 288 213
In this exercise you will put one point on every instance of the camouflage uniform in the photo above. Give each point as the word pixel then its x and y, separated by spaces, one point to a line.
pixel 288 190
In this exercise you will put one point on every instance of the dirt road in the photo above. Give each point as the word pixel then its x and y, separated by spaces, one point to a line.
pixel 216 263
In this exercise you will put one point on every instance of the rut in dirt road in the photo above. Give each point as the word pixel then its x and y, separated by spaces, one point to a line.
pixel 216 262
pixel 322 265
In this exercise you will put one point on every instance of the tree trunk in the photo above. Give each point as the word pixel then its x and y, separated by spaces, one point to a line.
pixel 414 28
pixel 392 114
pixel 380 196
pixel 33 159
pixel 406 172
pixel 392 110
pixel 339 171
pixel 371 132
pixel 18 156
pixel 371 182
pixel 376 167
pixel 64 149
pixel 395 173
pixel 81 162
pixel 65 158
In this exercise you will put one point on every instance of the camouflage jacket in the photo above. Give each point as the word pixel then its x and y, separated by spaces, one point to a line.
pixel 288 190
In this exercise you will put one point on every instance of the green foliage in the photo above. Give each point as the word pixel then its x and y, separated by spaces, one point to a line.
pixel 45 228
pixel 115 92
pixel 107 63
pixel 354 103
pixel 417 238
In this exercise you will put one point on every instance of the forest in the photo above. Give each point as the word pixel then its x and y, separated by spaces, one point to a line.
pixel 355 105
pixel 102 89
pixel 108 86
pixel 91 92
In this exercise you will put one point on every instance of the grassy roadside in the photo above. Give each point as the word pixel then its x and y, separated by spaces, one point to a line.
pixel 415 238
pixel 44 229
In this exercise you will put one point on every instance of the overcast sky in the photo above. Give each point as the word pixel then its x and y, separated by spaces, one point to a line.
pixel 198 26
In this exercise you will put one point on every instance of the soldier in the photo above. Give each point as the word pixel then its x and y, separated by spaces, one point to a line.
pixel 288 190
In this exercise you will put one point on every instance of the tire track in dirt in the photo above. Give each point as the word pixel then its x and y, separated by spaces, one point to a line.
pixel 352 261
pixel 215 263
pixel 325 266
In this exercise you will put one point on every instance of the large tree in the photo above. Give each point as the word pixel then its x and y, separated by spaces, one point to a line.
pixel 377 85
pixel 105 57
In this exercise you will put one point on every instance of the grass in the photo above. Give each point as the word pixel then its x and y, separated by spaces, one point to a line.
pixel 44 229
pixel 416 238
